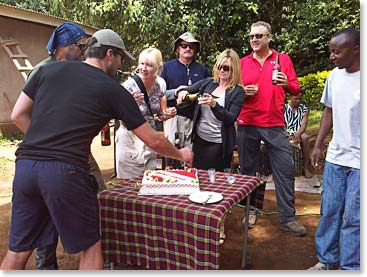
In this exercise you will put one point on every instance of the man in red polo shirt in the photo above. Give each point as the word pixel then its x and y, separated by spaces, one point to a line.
pixel 262 119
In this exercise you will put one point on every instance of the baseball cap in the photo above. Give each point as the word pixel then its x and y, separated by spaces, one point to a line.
pixel 107 37
pixel 188 37
pixel 65 34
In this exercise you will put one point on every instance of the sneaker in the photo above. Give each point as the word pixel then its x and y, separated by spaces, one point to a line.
pixel 252 218
pixel 294 227
pixel 322 266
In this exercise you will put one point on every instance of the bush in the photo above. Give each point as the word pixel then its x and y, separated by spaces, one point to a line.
pixel 312 87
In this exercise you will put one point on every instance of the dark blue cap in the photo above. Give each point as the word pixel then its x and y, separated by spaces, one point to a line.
pixel 65 34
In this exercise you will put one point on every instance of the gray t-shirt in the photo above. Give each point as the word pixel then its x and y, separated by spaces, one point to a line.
pixel 209 127
pixel 342 94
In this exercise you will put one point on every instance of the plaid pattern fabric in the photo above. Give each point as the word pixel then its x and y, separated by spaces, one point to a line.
pixel 167 232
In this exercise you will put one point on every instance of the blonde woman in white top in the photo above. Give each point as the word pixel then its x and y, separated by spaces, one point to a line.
pixel 132 155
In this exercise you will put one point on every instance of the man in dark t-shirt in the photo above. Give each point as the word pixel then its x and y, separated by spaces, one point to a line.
pixel 60 110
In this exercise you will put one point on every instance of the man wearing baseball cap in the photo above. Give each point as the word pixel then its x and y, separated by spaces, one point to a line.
pixel 53 192
pixel 67 43
pixel 180 72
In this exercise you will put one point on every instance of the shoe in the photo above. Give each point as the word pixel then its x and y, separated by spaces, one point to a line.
pixel 294 227
pixel 322 266
pixel 252 219
pixel 221 239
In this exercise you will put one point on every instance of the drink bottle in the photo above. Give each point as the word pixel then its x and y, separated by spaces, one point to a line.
pixel 275 71
pixel 160 162
pixel 177 164
pixel 177 140
pixel 105 135
pixel 189 98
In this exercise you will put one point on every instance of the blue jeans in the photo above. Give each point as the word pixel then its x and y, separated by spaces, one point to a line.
pixel 338 232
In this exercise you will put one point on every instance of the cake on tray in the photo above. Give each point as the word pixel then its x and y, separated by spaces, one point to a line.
pixel 170 182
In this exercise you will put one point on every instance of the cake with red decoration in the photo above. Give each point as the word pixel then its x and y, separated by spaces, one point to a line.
pixel 170 182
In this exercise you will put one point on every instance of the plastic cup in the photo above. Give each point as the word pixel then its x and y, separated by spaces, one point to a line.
pixel 211 174
pixel 228 173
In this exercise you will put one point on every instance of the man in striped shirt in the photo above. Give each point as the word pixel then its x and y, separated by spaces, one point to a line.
pixel 296 119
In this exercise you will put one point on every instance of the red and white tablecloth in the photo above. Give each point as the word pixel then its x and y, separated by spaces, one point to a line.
pixel 167 232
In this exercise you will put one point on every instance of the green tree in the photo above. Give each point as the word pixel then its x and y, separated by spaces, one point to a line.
pixel 300 28
pixel 307 27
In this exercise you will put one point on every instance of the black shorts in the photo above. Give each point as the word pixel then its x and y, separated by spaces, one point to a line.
pixel 52 198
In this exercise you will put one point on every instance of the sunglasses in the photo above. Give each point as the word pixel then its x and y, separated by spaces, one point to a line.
pixel 257 36
pixel 224 67
pixel 122 56
pixel 184 46
pixel 81 46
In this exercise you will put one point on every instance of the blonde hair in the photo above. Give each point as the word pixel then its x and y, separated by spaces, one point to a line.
pixel 153 56
pixel 234 62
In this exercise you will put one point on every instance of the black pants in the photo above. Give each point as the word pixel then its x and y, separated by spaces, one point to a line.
pixel 280 154
pixel 209 155
pixel 46 258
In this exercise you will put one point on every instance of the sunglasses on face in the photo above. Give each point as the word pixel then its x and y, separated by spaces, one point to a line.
pixel 121 55
pixel 184 46
pixel 224 67
pixel 81 46
pixel 257 36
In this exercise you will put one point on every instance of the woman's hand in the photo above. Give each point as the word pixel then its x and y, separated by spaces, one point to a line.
pixel 138 96
pixel 169 113
pixel 181 95
pixel 207 99
pixel 179 88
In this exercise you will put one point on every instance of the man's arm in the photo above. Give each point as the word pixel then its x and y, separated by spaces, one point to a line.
pixel 325 126
pixel 159 143
pixel 22 112
pixel 288 80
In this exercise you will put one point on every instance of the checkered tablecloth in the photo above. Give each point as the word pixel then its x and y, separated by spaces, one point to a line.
pixel 167 232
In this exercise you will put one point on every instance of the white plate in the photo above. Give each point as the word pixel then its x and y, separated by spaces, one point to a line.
pixel 201 196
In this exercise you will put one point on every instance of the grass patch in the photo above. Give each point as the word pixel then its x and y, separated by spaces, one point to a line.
pixel 3 165
pixel 4 140
pixel 314 118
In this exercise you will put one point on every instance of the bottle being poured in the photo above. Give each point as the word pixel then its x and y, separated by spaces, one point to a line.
pixel 187 100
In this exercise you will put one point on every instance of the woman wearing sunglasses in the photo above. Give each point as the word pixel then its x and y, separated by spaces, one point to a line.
pixel 218 104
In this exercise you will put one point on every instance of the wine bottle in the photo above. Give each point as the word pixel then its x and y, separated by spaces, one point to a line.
pixel 177 140
pixel 188 99
pixel 105 135
pixel 275 71
pixel 177 163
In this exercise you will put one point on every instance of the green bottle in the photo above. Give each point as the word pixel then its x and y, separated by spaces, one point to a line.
pixel 188 100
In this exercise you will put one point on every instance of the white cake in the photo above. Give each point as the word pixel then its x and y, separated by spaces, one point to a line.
pixel 170 182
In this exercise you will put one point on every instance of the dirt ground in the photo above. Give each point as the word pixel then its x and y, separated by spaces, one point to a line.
pixel 269 248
